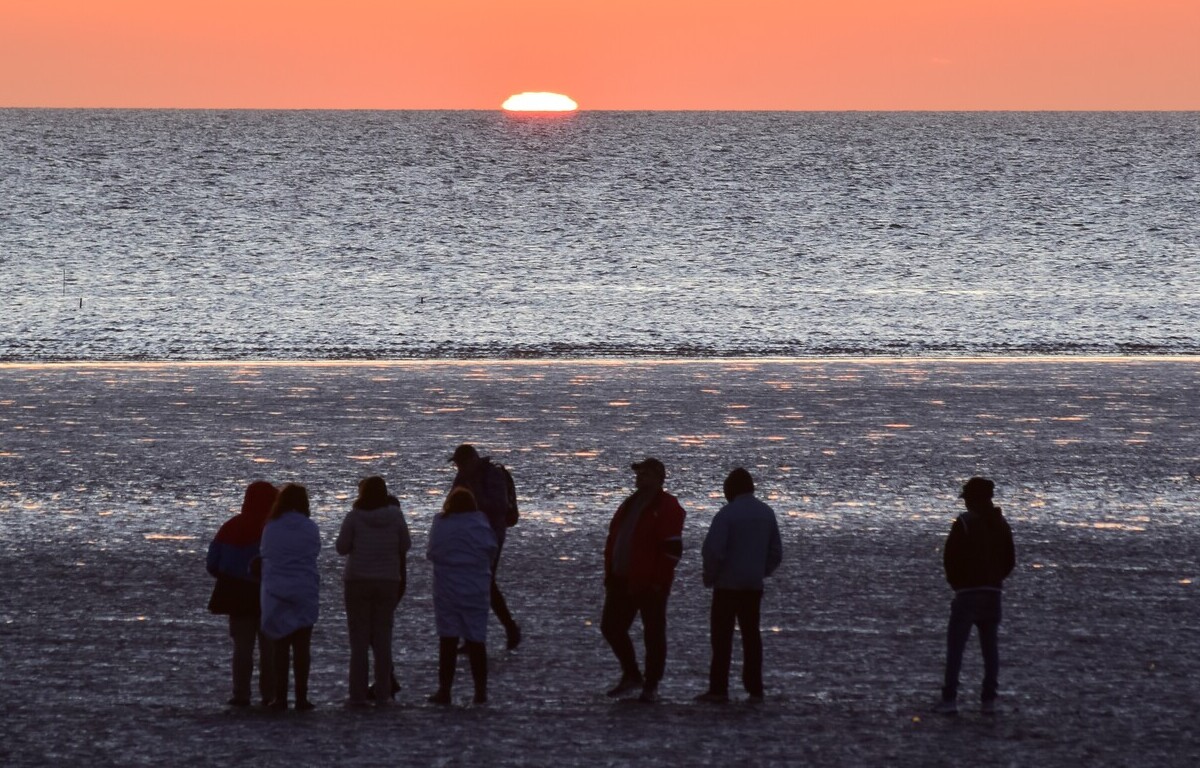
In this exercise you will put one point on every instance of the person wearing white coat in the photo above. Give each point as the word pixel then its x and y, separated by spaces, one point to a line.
pixel 461 547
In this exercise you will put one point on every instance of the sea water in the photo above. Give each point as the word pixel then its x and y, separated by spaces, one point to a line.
pixel 176 235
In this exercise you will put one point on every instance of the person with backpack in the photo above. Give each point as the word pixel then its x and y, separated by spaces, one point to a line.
pixel 978 557
pixel 492 486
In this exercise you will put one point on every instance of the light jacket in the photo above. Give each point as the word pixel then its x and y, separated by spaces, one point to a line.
pixel 291 583
pixel 742 546
pixel 376 542
pixel 461 547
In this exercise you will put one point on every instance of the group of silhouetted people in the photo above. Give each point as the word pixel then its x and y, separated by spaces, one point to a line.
pixel 265 563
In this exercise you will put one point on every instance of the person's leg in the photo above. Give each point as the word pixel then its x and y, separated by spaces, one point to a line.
pixel 280 650
pixel 988 622
pixel 957 632
pixel 653 607
pixel 383 615
pixel 477 654
pixel 358 625
pixel 512 632
pixel 303 649
pixel 242 629
pixel 749 607
pixel 266 665
pixel 720 624
pixel 447 659
pixel 615 621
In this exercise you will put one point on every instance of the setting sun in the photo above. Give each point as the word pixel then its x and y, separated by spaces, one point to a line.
pixel 539 102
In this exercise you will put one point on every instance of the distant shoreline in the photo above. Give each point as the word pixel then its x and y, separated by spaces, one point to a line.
pixel 607 361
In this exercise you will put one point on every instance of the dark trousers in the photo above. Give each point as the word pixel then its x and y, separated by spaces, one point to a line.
pixel 741 606
pixel 980 608
pixel 448 661
pixel 370 617
pixel 245 633
pixel 621 606
pixel 499 604
pixel 301 642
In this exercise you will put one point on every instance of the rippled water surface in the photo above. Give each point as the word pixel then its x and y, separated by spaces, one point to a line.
pixel 331 235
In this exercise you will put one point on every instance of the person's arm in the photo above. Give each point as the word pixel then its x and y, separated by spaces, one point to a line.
pixel 712 551
pixel 952 553
pixel 774 548
pixel 1010 551
pixel 672 531
pixel 345 539
pixel 403 576
pixel 213 558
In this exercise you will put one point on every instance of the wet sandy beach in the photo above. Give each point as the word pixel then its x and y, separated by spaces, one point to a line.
pixel 114 478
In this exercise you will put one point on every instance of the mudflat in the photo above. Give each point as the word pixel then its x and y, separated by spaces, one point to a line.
pixel 113 478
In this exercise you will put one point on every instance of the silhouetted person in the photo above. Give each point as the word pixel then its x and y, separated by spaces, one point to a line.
pixel 374 536
pixel 978 556
pixel 236 592
pixel 741 549
pixel 291 583
pixel 489 484
pixel 462 547
pixel 645 542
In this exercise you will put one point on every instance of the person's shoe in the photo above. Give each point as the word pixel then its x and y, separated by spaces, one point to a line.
pixel 440 697
pixel 649 694
pixel 755 698
pixel 238 701
pixel 357 703
pixel 395 689
pixel 480 699
pixel 512 634
pixel 627 684
pixel 987 707
pixel 278 705
pixel 946 707
pixel 711 697
pixel 304 705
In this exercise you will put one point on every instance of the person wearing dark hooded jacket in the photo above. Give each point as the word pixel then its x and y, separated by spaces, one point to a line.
pixel 978 556
pixel 375 540
pixel 236 593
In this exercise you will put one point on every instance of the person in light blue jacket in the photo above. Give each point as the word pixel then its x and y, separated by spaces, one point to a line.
pixel 461 547
pixel 291 587
pixel 741 549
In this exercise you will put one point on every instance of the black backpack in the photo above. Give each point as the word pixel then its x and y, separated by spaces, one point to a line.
pixel 513 514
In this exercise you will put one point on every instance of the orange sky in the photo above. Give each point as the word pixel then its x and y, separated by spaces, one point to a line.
pixel 606 54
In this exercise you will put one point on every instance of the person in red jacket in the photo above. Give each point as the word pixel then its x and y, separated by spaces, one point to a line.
pixel 645 542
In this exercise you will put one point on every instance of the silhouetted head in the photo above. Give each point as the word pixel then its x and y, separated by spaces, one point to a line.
pixel 372 493
pixel 649 474
pixel 465 457
pixel 259 498
pixel 978 491
pixel 460 500
pixel 292 498
pixel 738 482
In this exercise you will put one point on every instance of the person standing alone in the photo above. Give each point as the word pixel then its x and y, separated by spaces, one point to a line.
pixel 978 557
pixel 645 542
pixel 488 482
pixel 741 549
